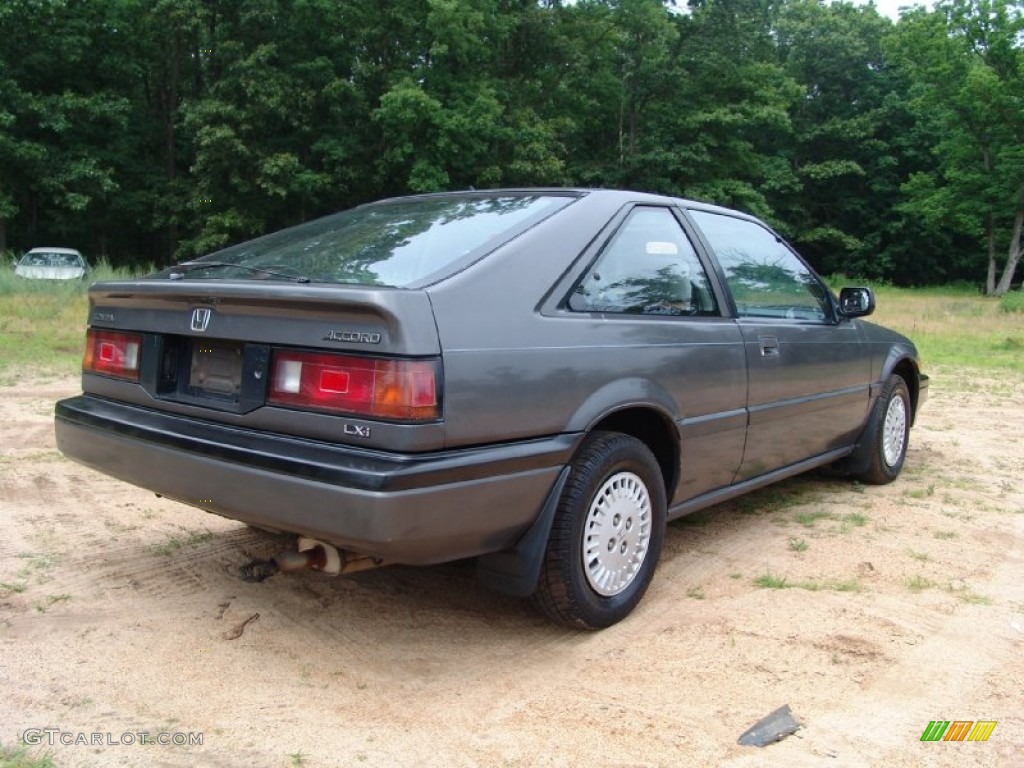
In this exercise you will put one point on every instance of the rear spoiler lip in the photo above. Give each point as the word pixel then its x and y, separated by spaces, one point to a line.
pixel 363 319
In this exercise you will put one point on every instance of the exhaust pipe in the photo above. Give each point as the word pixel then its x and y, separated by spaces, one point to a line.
pixel 313 555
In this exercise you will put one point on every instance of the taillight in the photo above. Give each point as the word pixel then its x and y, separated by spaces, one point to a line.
pixel 405 390
pixel 112 354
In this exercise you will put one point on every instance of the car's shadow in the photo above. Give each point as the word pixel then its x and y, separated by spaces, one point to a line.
pixel 384 610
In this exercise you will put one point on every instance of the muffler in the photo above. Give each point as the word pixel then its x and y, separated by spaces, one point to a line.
pixel 313 555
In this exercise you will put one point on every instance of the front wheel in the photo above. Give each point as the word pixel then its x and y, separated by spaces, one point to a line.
pixel 607 534
pixel 891 429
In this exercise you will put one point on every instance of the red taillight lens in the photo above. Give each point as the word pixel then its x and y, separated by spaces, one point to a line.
pixel 112 354
pixel 405 390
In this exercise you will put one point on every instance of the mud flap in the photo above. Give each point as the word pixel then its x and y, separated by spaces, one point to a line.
pixel 516 571
pixel 859 461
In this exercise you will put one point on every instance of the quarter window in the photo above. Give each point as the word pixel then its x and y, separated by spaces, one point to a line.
pixel 648 267
pixel 765 277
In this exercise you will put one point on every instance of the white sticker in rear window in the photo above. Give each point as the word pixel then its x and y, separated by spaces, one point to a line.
pixel 662 248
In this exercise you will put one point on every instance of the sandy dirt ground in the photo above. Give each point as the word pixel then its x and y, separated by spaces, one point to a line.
pixel 870 611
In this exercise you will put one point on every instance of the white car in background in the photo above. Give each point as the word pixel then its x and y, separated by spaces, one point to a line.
pixel 52 264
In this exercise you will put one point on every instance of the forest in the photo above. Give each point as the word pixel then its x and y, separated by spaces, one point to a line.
pixel 150 131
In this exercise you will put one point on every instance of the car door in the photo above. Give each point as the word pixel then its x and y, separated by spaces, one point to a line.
pixel 808 372
pixel 661 309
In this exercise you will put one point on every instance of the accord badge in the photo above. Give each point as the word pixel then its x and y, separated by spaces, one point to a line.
pixel 353 337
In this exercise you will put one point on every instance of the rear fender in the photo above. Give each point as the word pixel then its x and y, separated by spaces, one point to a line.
pixel 620 394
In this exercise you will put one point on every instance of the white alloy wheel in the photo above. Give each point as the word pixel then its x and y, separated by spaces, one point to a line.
pixel 606 535
pixel 617 533
pixel 894 431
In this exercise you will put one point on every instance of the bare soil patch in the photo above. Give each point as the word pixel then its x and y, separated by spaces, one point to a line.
pixel 870 611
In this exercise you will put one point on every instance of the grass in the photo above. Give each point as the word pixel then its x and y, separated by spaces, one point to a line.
pixel 919 584
pixel 808 519
pixel 960 589
pixel 173 543
pixel 798 545
pixel 956 588
pixel 971 597
pixel 42 322
pixel 11 284
pixel 1012 302
pixel 769 580
pixel 19 757
pixel 36 566
pixel 43 606
pixel 920 493
pixel 36 562
pixel 850 585
pixel 855 519
pixel 956 326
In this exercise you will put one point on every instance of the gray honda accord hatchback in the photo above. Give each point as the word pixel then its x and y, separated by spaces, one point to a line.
pixel 539 379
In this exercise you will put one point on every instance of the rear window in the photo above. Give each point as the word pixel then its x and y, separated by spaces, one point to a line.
pixel 402 243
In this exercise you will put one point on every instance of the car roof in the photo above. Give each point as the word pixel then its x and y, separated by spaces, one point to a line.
pixel 55 250
pixel 625 196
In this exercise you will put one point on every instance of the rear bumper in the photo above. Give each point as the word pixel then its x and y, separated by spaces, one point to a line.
pixel 415 509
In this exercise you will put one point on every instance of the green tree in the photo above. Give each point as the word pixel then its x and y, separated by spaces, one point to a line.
pixel 152 130
pixel 841 161
pixel 967 62
pixel 682 103
pixel 59 67
pixel 732 124
pixel 274 76
pixel 467 112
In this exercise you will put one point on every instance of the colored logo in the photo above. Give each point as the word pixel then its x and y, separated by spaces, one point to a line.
pixel 958 730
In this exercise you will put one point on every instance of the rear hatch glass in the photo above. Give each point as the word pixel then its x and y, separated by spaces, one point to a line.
pixel 404 243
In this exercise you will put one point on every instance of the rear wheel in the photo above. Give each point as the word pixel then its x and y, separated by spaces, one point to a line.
pixel 891 429
pixel 607 534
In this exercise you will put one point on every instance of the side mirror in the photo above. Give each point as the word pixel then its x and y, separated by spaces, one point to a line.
pixel 856 302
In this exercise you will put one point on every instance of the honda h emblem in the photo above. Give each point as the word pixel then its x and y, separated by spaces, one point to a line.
pixel 201 319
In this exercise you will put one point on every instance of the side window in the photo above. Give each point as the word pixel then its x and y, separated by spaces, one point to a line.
pixel 765 277
pixel 648 267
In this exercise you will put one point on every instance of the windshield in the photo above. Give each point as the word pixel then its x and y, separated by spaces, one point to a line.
pixel 39 259
pixel 400 243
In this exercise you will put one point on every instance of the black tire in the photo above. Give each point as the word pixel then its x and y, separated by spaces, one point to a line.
pixel 890 430
pixel 618 474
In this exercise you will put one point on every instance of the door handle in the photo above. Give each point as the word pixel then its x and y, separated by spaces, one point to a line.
pixel 769 346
